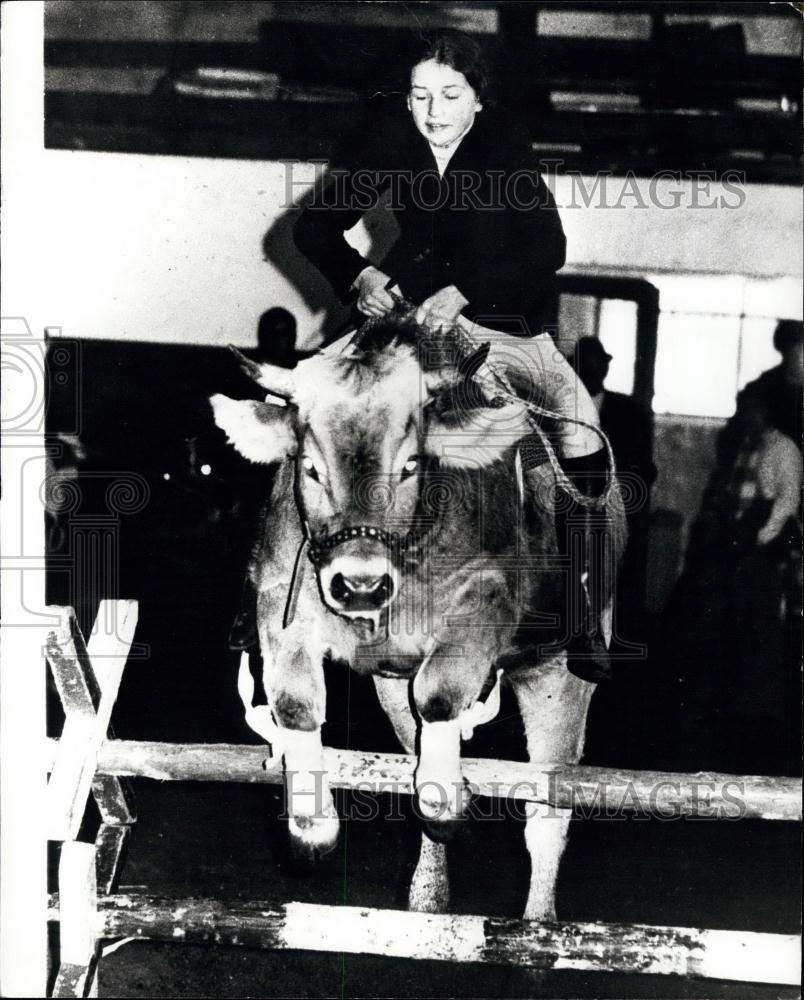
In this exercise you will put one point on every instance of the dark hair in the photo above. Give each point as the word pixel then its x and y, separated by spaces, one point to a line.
pixel 459 51
pixel 787 334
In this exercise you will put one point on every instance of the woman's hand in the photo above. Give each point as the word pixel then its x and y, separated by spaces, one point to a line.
pixel 441 311
pixel 372 298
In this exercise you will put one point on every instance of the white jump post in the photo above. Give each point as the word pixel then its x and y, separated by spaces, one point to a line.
pixel 88 678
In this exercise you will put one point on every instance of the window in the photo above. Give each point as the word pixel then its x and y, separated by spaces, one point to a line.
pixel 617 329
pixel 715 335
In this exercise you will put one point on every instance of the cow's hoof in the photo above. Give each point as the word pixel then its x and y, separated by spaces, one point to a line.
pixel 312 838
pixel 442 831
pixel 308 860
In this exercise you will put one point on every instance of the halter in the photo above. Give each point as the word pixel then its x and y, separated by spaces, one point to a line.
pixel 316 549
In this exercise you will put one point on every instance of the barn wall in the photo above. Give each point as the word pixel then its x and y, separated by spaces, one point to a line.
pixel 171 248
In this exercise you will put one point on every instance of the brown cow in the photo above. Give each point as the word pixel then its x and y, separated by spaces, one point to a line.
pixel 433 566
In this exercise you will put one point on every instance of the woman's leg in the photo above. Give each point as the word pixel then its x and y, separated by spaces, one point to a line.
pixel 539 372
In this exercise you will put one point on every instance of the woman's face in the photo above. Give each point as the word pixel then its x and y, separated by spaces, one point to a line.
pixel 442 102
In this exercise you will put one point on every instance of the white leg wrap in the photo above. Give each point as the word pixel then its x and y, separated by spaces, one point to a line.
pixel 311 810
pixel 482 711
pixel 312 818
pixel 439 780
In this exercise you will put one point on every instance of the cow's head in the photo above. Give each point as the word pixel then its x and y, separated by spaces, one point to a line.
pixel 365 428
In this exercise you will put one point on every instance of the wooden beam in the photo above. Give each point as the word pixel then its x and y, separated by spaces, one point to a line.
pixel 111 843
pixel 590 947
pixel 586 789
pixel 70 665
pixel 108 650
pixel 115 799
pixel 78 938
pixel 88 679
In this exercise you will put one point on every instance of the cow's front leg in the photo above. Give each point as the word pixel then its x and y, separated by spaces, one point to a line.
pixel 297 696
pixel 554 704
pixel 429 887
pixel 445 689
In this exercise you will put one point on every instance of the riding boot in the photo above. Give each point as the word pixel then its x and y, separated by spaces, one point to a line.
pixel 243 635
pixel 584 535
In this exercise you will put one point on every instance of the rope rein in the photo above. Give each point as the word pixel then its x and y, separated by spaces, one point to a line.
pixel 499 387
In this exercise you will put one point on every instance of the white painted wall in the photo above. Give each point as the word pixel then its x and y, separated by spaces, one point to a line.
pixel 171 248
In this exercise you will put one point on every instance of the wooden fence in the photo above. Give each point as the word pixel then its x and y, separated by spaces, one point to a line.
pixel 88 760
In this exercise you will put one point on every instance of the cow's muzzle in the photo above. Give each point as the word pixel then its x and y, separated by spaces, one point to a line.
pixel 362 592
pixel 356 585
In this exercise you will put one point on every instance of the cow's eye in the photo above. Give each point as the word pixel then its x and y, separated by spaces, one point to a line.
pixel 309 468
pixel 410 467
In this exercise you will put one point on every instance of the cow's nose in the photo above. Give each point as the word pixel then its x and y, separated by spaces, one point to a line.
pixel 362 591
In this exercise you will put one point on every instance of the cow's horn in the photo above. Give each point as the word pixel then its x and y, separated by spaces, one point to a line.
pixel 278 381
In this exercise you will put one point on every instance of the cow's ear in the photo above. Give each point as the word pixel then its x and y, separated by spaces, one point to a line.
pixel 476 437
pixel 261 432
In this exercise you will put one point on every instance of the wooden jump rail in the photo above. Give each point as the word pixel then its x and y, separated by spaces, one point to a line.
pixel 666 794
pixel 586 947
pixel 87 760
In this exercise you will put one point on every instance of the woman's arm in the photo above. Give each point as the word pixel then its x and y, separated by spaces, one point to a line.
pixel 352 188
pixel 319 234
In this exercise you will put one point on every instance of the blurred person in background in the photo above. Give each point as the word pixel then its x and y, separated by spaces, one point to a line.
pixel 624 420
pixel 276 345
pixel 733 626
pixel 761 516
pixel 779 391
pixel 276 338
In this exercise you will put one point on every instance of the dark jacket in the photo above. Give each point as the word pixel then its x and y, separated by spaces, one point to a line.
pixel 490 226
pixel 782 399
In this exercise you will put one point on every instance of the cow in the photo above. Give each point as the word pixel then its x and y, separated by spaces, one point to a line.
pixel 404 540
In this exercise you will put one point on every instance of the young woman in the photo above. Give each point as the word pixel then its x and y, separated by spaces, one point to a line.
pixel 480 242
